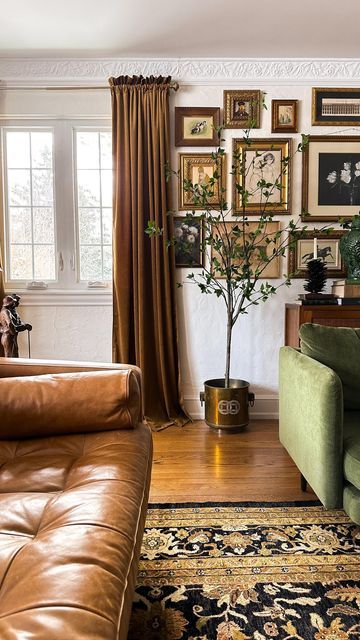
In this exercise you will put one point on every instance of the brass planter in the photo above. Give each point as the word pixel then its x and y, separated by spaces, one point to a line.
pixel 227 409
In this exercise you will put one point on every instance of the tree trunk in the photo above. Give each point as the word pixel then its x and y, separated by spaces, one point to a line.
pixel 228 338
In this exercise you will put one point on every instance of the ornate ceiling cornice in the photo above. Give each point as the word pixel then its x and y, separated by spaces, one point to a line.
pixel 193 70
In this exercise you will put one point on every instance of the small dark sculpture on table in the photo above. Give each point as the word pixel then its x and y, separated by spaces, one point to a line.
pixel 10 325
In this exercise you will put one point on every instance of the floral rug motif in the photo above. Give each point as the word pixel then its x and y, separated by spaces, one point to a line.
pixel 247 572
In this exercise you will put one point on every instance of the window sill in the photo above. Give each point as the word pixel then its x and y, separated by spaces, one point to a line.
pixel 65 298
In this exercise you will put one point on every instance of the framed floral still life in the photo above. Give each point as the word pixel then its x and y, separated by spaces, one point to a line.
pixel 264 245
pixel 301 250
pixel 242 109
pixel 284 116
pixel 264 161
pixel 188 238
pixel 336 107
pixel 331 177
pixel 196 126
pixel 199 169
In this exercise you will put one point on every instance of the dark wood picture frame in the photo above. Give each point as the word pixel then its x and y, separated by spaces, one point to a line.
pixel 206 119
pixel 284 116
pixel 259 147
pixel 187 251
pixel 335 107
pixel 326 193
pixel 242 107
pixel 325 245
pixel 188 162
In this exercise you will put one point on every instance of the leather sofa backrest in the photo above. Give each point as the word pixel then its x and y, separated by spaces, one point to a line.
pixel 80 402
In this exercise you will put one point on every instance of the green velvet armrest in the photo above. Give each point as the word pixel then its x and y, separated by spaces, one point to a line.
pixel 311 422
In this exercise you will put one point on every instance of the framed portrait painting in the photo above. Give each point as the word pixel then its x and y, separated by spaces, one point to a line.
pixel 242 108
pixel 302 250
pixel 188 238
pixel 196 126
pixel 331 177
pixel 264 160
pixel 198 169
pixel 284 116
pixel 336 107
pixel 270 270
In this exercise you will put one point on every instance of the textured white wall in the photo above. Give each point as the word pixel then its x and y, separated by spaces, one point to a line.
pixel 85 332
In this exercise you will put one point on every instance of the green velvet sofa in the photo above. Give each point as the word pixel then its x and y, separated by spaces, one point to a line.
pixel 319 413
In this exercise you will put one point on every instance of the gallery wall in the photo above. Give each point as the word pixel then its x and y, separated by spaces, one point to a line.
pixel 82 330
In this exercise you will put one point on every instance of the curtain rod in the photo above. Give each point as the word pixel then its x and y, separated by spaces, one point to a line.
pixel 173 85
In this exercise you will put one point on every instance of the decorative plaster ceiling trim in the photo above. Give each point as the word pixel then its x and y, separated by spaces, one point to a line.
pixel 193 70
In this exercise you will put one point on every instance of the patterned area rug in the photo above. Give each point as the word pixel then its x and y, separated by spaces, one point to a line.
pixel 248 572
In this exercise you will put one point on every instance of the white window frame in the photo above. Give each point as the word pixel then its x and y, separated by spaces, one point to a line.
pixel 67 281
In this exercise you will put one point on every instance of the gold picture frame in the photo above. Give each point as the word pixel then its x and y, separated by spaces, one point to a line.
pixel 242 108
pixel 330 180
pixel 301 250
pixel 335 107
pixel 196 126
pixel 284 116
pixel 198 168
pixel 272 270
pixel 264 159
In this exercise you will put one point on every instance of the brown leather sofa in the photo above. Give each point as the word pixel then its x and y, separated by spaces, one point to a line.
pixel 75 464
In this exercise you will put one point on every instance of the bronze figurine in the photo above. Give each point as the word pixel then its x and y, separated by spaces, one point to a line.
pixel 10 325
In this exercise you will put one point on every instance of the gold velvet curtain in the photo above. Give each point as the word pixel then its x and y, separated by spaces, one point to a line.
pixel 144 323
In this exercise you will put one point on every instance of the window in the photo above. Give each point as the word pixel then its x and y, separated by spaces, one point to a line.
pixel 57 183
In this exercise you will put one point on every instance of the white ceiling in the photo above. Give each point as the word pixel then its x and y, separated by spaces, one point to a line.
pixel 180 28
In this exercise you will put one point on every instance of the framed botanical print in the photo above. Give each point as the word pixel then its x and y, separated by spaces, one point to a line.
pixel 198 169
pixel 284 116
pixel 263 161
pixel 301 250
pixel 270 270
pixel 196 126
pixel 331 177
pixel 242 108
pixel 188 238
pixel 336 107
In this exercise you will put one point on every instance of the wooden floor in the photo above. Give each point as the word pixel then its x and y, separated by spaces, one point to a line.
pixel 195 464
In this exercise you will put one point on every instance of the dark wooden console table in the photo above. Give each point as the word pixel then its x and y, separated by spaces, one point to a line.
pixel 330 315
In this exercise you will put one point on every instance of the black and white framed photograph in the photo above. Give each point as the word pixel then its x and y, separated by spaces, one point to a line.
pixel 331 178
pixel 337 106
pixel 188 238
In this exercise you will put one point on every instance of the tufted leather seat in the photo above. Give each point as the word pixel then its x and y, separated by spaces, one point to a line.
pixel 72 510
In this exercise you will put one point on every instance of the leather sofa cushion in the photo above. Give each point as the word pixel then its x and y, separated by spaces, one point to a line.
pixel 72 510
pixel 352 447
pixel 68 403
pixel 339 349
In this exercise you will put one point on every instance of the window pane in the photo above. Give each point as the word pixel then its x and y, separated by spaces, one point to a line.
pixel 30 205
pixel 107 225
pixel 90 226
pixel 20 262
pixel 18 149
pixel 88 188
pixel 20 224
pixel 107 275
pixel 90 263
pixel 106 188
pixel 44 262
pixel 19 187
pixel 105 147
pixel 43 221
pixel 41 150
pixel 87 147
pixel 42 187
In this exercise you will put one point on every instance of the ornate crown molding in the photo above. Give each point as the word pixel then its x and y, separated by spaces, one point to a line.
pixel 14 71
